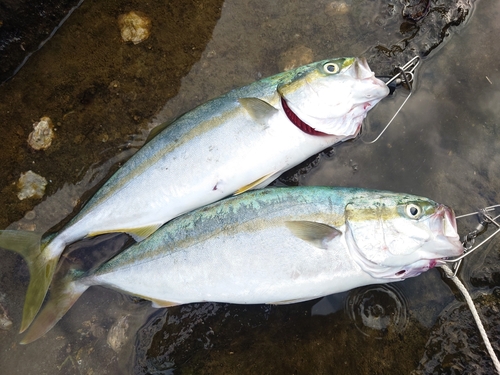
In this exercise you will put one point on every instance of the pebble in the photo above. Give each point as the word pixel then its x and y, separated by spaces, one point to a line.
pixel 41 136
pixel 134 27
pixel 336 8
pixel 31 185
pixel 5 322
pixel 117 335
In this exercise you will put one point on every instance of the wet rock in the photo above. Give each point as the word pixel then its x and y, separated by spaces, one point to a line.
pixel 295 57
pixel 134 27
pixel 31 185
pixel 24 25
pixel 41 136
pixel 117 336
pixel 415 10
pixel 5 322
pixel 455 345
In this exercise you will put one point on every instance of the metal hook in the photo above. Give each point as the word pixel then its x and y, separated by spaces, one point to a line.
pixel 405 74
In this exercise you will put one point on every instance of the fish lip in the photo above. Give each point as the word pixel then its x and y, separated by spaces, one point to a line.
pixel 361 68
pixel 447 216
pixel 363 72
pixel 444 223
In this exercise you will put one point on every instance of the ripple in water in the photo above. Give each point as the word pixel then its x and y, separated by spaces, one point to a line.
pixel 377 310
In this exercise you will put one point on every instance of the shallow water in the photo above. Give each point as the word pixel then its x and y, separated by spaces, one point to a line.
pixel 103 95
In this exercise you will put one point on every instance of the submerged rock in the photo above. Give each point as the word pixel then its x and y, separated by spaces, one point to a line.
pixel 295 57
pixel 41 136
pixel 31 185
pixel 134 27
pixel 336 8
pixel 5 322
pixel 117 336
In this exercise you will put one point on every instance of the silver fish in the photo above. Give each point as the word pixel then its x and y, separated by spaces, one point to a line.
pixel 276 245
pixel 237 142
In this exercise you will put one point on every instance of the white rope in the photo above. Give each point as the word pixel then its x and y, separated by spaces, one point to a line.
pixel 475 314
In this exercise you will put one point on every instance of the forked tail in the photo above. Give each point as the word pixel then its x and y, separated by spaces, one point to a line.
pixel 63 294
pixel 41 265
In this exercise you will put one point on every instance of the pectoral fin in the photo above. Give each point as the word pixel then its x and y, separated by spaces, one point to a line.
pixel 258 109
pixel 317 234
pixel 254 184
pixel 137 234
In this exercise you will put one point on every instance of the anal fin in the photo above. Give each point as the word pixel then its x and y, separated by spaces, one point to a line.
pixel 290 301
pixel 254 184
pixel 137 234
pixel 159 304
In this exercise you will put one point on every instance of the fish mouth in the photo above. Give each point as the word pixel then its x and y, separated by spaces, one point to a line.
pixel 444 223
pixel 362 70
pixel 445 242
pixel 373 88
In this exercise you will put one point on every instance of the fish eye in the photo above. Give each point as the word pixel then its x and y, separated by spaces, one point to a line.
pixel 331 68
pixel 413 211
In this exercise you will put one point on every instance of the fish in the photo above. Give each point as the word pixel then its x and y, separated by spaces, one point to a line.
pixel 272 246
pixel 240 141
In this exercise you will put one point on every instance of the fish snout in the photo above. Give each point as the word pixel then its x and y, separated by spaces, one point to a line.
pixel 368 87
pixel 449 223
pixel 445 227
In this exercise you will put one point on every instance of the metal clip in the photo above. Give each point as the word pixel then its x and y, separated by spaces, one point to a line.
pixel 405 75
pixel 469 239
pixel 407 71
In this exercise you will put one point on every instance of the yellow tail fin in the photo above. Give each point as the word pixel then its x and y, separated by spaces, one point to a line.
pixel 63 294
pixel 40 265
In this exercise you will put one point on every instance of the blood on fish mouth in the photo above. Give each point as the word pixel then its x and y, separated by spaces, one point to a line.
pixel 294 119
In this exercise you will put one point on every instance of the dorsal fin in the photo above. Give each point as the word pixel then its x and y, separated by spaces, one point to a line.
pixel 258 109
pixel 317 234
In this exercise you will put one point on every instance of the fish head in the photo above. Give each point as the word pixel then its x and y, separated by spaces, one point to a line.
pixel 399 236
pixel 333 96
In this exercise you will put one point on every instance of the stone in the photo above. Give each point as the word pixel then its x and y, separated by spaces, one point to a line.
pixel 31 185
pixel 134 27
pixel 41 136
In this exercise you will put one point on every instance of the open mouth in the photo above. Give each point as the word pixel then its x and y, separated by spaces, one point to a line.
pixel 361 69
pixel 448 243
pixel 445 222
